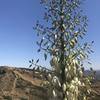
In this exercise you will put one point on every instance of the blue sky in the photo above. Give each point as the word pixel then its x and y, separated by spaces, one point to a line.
pixel 17 37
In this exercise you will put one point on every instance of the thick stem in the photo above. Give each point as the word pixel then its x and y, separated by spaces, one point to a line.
pixel 62 63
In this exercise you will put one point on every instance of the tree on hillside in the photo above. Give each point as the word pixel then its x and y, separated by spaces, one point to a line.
pixel 61 39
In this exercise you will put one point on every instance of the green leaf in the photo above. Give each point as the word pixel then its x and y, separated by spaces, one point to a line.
pixel 30 61
pixel 38 50
pixel 37 61
pixel 73 42
pixel 90 63
pixel 30 65
pixel 68 16
pixel 41 41
pixel 37 43
pixel 64 26
pixel 91 69
pixel 45 56
pixel 76 33
pixel 45 43
pixel 82 56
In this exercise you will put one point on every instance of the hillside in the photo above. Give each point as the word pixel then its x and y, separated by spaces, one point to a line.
pixel 23 84
pixel 19 84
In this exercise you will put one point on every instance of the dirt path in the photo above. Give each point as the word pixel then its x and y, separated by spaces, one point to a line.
pixel 25 77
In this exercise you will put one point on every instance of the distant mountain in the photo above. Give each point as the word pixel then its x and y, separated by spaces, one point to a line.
pixel 97 74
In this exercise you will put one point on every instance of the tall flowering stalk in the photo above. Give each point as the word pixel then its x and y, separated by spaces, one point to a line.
pixel 61 38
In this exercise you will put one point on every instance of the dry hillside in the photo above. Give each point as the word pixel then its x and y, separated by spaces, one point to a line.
pixel 22 84
pixel 19 84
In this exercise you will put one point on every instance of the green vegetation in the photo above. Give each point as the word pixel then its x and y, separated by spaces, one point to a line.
pixel 24 98
pixel 7 97
pixel 61 39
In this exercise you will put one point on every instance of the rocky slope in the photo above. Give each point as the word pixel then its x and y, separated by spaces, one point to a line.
pixel 23 84
pixel 19 84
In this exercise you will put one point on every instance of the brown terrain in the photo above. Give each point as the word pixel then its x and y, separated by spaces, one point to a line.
pixel 23 84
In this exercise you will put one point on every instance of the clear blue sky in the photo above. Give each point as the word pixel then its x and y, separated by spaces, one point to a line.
pixel 17 37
